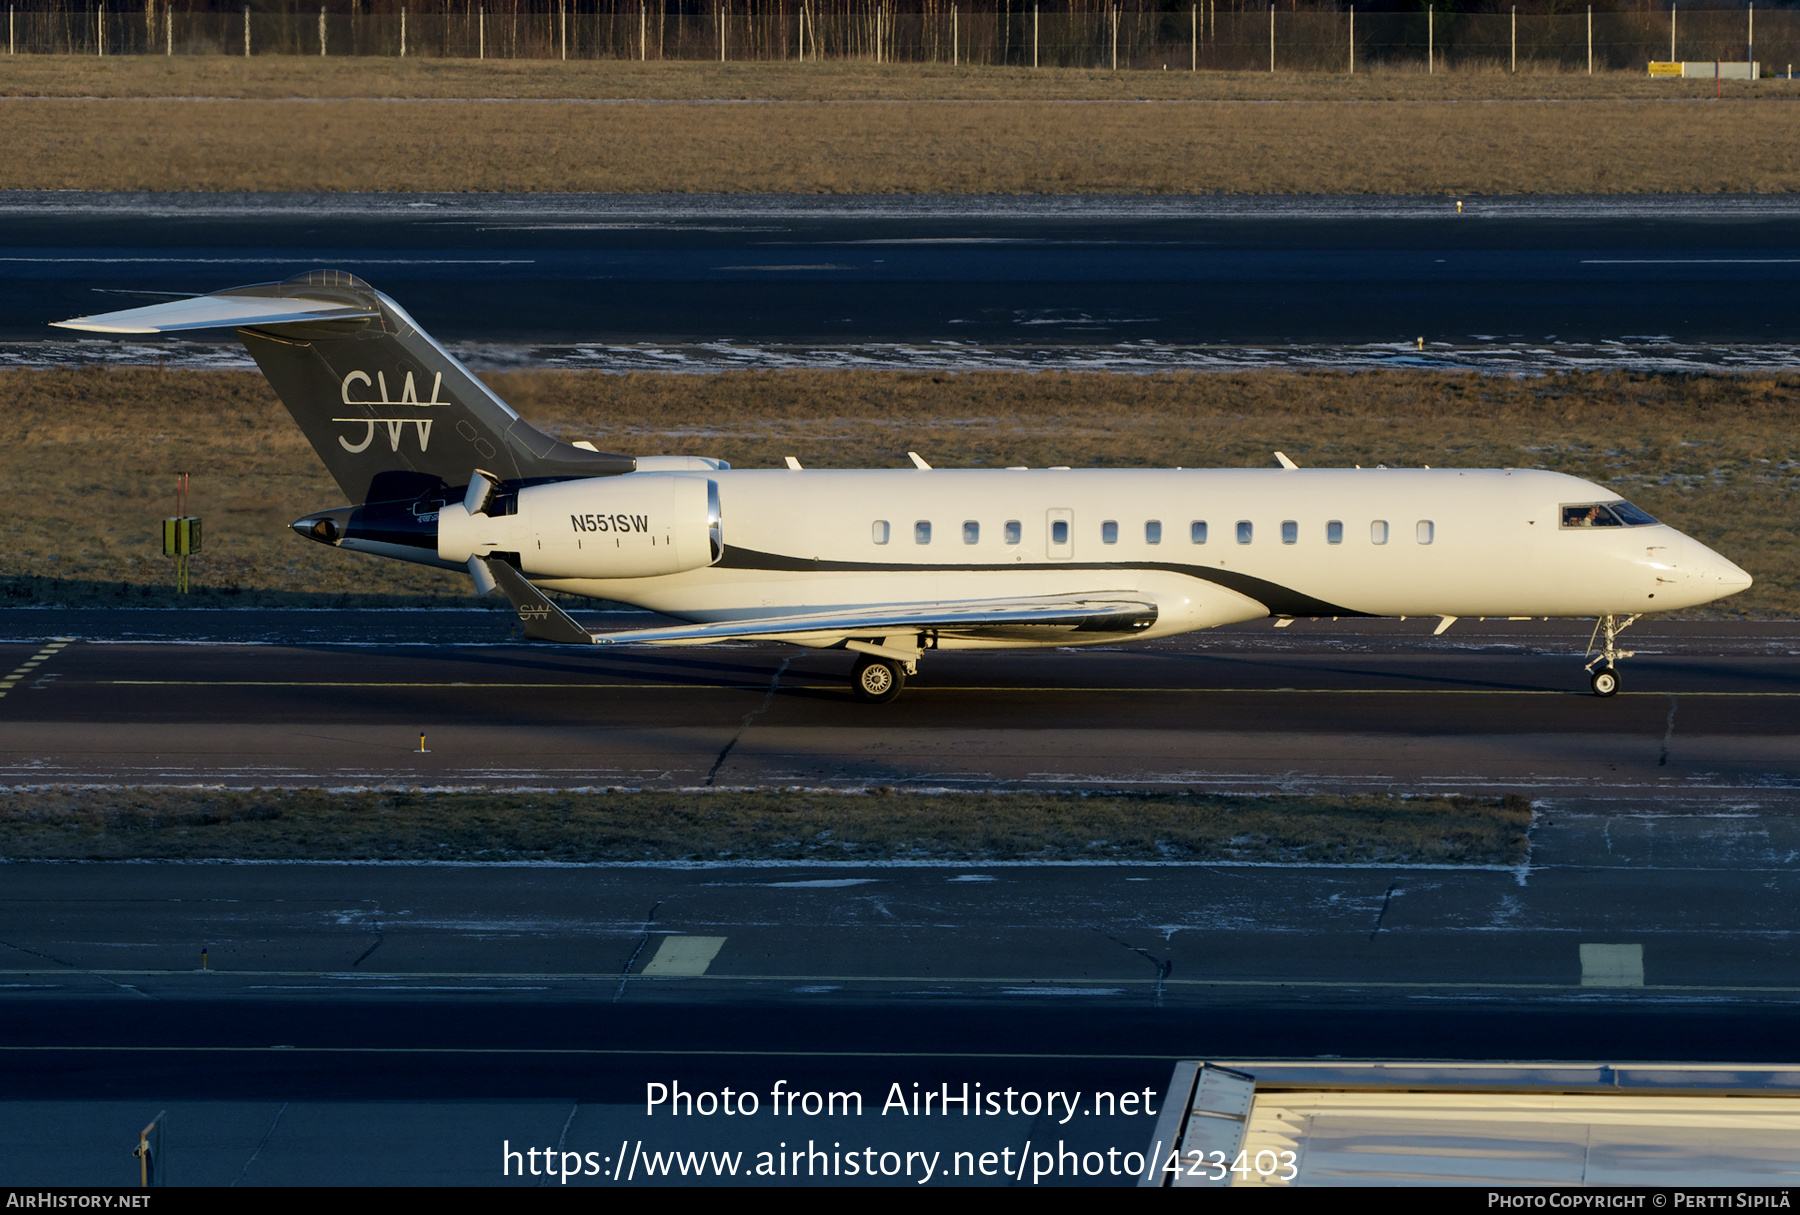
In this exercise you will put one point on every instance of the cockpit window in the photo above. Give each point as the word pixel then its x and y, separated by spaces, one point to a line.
pixel 1631 515
pixel 1604 514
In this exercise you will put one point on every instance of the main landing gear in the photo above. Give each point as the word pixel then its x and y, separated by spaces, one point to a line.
pixel 883 663
pixel 1605 681
pixel 875 680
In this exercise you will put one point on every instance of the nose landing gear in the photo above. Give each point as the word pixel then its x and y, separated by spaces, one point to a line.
pixel 1605 681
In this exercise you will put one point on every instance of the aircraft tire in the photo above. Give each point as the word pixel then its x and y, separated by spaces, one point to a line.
pixel 875 680
pixel 1605 682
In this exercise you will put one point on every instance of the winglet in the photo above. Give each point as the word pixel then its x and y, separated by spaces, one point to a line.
pixel 543 620
pixel 918 461
pixel 1281 458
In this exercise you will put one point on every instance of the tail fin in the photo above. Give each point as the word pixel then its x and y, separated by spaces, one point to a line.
pixel 392 414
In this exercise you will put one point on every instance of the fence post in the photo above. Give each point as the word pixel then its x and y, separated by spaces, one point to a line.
pixel 1672 58
pixel 1034 35
pixel 562 13
pixel 644 31
pixel 402 31
pixel 168 30
pixel 1115 38
pixel 1590 40
pixel 321 33
pixel 12 39
pixel 100 28
pixel 246 31
pixel 1752 47
pixel 720 10
pixel 1271 39
pixel 481 34
pixel 1430 39
pixel 1515 39
pixel 954 53
pixel 1194 36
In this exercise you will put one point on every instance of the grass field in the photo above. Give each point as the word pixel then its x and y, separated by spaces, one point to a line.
pixel 311 824
pixel 903 147
pixel 216 123
pixel 280 76
pixel 90 455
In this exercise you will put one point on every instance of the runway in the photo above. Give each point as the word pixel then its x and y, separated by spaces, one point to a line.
pixel 1709 712
pixel 1127 283
pixel 396 1023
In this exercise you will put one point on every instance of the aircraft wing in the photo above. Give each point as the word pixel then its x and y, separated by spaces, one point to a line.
pixel 216 312
pixel 1124 612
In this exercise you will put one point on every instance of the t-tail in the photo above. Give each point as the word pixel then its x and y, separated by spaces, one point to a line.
pixel 399 422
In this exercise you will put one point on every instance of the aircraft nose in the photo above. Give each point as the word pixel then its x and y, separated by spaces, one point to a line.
pixel 1720 576
pixel 1731 578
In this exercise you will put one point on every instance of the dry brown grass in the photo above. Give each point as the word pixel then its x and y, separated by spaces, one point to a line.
pixel 314 824
pixel 276 76
pixel 1373 147
pixel 89 455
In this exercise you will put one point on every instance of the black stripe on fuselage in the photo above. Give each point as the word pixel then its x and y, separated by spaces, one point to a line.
pixel 1278 599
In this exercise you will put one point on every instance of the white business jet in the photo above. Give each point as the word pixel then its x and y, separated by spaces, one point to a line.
pixel 891 563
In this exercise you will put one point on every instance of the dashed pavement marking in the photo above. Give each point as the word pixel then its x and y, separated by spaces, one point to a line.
pixel 55 646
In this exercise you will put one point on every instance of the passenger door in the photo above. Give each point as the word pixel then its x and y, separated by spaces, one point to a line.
pixel 1059 533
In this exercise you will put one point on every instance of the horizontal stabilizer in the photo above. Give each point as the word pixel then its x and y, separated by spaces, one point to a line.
pixel 218 312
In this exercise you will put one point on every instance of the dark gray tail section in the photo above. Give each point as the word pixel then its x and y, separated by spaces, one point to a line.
pixel 389 411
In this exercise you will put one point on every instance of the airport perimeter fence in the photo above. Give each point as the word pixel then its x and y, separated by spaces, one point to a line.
pixel 1078 34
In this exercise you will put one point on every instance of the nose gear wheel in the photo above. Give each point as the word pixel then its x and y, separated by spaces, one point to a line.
pixel 1605 681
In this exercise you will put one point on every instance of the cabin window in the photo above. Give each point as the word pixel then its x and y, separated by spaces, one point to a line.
pixel 1334 532
pixel 1424 531
pixel 878 531
pixel 1290 532
pixel 1059 532
pixel 1153 532
pixel 1109 532
pixel 1244 531
pixel 1197 531
pixel 922 532
pixel 971 532
pixel 1378 532
pixel 1014 531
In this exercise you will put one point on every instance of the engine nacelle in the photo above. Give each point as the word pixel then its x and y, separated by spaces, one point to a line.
pixel 633 526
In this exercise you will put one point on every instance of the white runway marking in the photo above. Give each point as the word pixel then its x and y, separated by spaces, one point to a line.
pixel 1612 965
pixel 685 957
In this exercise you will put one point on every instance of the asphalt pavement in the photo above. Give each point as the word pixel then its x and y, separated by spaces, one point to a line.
pixel 1709 710
pixel 405 1023
pixel 1124 282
